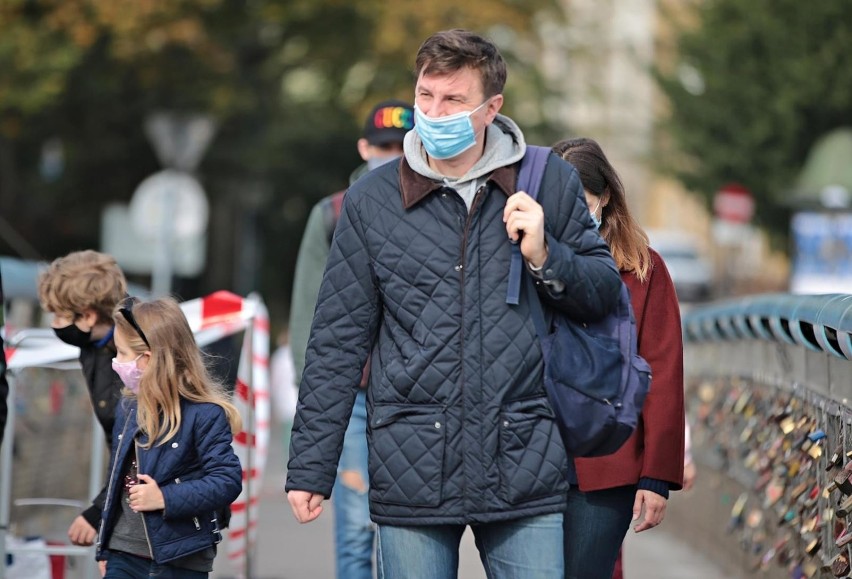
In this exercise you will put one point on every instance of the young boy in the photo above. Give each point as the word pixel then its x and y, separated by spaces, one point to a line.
pixel 81 290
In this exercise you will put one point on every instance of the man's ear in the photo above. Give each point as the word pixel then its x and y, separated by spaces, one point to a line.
pixel 364 149
pixel 494 106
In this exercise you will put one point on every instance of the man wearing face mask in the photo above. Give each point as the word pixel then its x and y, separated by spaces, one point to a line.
pixel 81 290
pixel 380 143
pixel 461 432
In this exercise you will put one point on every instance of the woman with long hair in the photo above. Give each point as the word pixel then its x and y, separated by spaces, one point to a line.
pixel 611 491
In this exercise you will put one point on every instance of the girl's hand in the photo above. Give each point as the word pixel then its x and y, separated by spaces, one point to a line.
pixel 146 496
pixel 102 567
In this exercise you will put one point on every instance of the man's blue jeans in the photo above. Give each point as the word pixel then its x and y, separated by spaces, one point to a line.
pixel 354 532
pixel 595 525
pixel 529 548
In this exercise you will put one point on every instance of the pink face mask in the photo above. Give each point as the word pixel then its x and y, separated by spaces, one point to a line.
pixel 129 372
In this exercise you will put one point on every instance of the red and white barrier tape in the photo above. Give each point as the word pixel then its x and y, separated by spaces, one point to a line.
pixel 211 318
pixel 251 445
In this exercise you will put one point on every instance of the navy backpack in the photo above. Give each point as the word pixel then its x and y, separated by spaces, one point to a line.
pixel 595 379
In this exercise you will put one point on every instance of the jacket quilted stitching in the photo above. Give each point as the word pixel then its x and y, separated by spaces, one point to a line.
pixel 197 471
pixel 460 429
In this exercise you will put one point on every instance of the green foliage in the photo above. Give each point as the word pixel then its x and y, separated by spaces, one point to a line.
pixel 287 81
pixel 751 88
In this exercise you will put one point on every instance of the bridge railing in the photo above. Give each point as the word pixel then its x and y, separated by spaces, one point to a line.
pixel 769 398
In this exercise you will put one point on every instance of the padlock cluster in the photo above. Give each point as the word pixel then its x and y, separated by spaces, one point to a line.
pixel 789 449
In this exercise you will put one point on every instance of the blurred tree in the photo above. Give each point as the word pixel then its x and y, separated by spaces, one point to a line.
pixel 751 86
pixel 287 81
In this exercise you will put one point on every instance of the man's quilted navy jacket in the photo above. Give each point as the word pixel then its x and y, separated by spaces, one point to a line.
pixel 460 428
pixel 196 470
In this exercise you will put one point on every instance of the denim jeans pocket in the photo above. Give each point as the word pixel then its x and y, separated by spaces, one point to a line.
pixel 532 458
pixel 407 455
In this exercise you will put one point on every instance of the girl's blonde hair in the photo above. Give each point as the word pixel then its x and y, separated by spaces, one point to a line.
pixel 175 370
pixel 627 241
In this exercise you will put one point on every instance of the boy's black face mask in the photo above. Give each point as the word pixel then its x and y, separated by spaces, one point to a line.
pixel 73 335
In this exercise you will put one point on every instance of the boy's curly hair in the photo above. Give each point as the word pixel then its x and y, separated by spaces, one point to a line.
pixel 80 281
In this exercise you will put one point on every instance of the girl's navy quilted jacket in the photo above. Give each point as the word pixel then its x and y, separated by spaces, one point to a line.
pixel 197 471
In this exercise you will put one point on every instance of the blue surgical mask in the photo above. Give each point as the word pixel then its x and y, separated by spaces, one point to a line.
pixel 446 137
pixel 594 214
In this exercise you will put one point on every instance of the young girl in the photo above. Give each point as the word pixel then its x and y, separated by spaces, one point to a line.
pixel 173 470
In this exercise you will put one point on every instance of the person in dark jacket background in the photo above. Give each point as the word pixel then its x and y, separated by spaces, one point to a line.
pixel 635 481
pixel 459 426
pixel 81 290
pixel 172 468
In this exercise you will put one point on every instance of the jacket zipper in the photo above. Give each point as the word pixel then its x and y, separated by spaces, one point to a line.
pixel 111 478
pixel 194 519
pixel 473 205
pixel 144 524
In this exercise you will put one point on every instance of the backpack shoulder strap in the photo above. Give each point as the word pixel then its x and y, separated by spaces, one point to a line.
pixel 331 207
pixel 529 180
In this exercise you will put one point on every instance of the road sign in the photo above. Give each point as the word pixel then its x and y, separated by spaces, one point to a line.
pixel 168 206
pixel 136 255
pixel 171 196
pixel 734 203
pixel 179 140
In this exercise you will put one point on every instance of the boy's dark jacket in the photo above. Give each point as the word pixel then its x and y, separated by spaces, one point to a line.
pixel 105 391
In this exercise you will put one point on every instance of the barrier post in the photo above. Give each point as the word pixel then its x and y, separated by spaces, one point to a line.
pixel 250 442
pixel 6 474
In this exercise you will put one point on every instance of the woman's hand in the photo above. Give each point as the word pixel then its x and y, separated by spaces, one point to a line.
pixel 654 507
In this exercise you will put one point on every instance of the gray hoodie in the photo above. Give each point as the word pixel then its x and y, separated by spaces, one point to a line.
pixel 504 145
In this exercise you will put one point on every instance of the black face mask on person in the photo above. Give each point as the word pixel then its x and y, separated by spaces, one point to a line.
pixel 73 335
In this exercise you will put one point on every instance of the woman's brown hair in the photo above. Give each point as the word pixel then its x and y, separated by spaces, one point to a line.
pixel 627 241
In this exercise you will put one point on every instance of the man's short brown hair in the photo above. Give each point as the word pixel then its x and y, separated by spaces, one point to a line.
pixel 80 281
pixel 452 50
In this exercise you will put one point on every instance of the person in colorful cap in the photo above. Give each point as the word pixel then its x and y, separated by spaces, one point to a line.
pixel 354 533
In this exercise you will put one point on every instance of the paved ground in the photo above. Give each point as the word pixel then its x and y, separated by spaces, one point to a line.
pixel 287 550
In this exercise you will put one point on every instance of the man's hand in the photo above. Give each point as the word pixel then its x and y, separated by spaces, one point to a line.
pixel 306 505
pixel 81 532
pixel 146 496
pixel 655 510
pixel 523 215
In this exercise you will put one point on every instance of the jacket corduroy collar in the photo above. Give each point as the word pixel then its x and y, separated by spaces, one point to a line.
pixel 414 186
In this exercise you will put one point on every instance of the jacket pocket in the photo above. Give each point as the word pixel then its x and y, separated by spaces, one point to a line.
pixel 407 455
pixel 532 458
